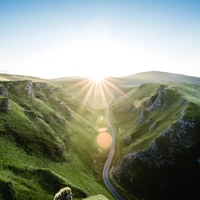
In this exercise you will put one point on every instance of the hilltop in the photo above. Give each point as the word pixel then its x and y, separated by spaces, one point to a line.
pixel 157 76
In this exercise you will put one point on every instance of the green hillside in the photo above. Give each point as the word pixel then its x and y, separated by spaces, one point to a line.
pixel 157 126
pixel 48 141
pixel 138 123
pixel 49 131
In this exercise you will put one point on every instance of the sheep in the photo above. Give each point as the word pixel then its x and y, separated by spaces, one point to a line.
pixel 64 194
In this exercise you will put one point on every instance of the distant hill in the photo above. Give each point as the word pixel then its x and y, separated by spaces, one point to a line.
pixel 157 77
pixel 14 77
pixel 68 78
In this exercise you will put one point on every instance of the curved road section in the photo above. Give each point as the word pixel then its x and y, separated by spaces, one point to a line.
pixel 109 160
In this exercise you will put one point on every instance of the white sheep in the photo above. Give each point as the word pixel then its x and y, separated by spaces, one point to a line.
pixel 64 194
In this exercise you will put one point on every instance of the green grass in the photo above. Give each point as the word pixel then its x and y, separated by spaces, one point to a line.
pixel 47 143
pixel 126 113
pixel 182 100
pixel 97 197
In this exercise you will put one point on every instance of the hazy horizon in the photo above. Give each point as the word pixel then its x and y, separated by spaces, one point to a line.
pixel 65 38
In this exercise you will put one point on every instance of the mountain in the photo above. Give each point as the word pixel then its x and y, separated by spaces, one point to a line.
pixel 48 140
pixel 157 126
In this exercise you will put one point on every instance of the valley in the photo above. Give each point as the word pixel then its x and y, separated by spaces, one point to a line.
pixel 49 131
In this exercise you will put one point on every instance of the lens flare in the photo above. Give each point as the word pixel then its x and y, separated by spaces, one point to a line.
pixel 137 104
pixel 104 140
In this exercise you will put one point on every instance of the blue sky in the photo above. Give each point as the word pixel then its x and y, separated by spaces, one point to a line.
pixel 108 38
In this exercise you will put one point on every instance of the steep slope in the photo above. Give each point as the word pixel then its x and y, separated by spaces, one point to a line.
pixel 158 126
pixel 47 142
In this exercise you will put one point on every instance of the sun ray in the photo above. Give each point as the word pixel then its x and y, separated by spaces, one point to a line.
pixel 85 100
pixel 76 85
pixel 105 103
pixel 114 87
pixel 106 88
pixel 86 86
pixel 96 92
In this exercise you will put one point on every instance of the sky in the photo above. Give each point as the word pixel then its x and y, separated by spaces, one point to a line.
pixel 64 38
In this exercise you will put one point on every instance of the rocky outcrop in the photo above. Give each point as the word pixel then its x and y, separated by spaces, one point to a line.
pixel 159 100
pixel 5 104
pixel 41 85
pixel 152 126
pixel 143 117
pixel 177 145
pixel 29 88
pixel 176 138
pixel 4 92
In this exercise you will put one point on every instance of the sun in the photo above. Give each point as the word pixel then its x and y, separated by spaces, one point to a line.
pixel 97 77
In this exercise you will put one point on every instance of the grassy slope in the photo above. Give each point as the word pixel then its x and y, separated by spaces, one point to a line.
pixel 97 197
pixel 126 111
pixel 47 142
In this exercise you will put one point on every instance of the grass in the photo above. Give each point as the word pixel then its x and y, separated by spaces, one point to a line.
pixel 182 99
pixel 97 197
pixel 126 113
pixel 47 143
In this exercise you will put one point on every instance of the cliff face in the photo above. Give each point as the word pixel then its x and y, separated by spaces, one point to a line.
pixel 169 166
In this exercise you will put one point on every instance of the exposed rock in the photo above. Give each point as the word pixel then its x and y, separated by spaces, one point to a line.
pixel 5 104
pixel 52 92
pixel 143 117
pixel 161 87
pixel 149 120
pixel 61 103
pixel 182 101
pixel 29 88
pixel 182 112
pixel 4 92
pixel 177 139
pixel 41 85
pixel 159 100
pixel 152 126
pixel 8 104
pixel 151 100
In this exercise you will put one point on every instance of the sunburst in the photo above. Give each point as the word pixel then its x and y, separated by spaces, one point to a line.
pixel 95 91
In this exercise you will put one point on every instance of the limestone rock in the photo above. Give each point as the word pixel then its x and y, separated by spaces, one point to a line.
pixel 29 88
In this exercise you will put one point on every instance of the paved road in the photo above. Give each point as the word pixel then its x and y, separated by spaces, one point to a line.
pixel 109 160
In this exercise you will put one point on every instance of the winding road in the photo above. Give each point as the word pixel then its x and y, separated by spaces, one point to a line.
pixel 109 160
